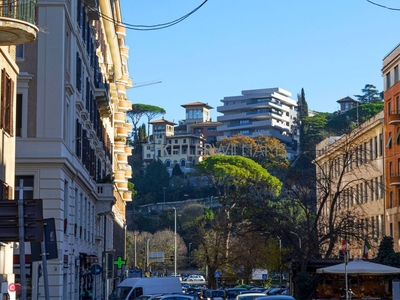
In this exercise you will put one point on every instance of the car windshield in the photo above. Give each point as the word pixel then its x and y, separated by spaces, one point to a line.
pixel 218 294
pixel 120 293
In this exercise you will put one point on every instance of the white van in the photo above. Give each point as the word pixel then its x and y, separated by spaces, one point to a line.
pixel 131 288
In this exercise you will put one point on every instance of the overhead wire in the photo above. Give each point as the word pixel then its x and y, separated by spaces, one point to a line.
pixel 145 27
pixel 383 6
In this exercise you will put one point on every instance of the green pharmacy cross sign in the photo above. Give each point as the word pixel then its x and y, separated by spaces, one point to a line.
pixel 119 262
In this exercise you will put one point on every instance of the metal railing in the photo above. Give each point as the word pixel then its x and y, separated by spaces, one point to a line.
pixel 24 10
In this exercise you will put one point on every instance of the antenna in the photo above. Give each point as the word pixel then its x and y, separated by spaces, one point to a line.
pixel 136 85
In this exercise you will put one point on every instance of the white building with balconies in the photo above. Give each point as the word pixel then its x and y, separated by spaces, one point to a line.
pixel 71 119
pixel 270 112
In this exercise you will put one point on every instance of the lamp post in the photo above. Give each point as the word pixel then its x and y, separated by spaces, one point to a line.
pixel 280 262
pixel 190 244
pixel 298 238
pixel 291 280
pixel 164 195
pixel 147 253
pixel 175 241
pixel 135 250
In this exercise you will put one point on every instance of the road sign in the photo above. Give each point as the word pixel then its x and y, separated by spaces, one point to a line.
pixel 96 269
pixel 33 220
pixel 344 246
pixel 217 274
pixel 50 242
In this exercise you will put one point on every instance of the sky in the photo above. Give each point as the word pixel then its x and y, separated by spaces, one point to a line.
pixel 332 49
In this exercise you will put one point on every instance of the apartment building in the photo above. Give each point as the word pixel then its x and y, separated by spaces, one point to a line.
pixel 185 143
pixel 391 84
pixel 350 170
pixel 271 112
pixel 17 26
pixel 70 113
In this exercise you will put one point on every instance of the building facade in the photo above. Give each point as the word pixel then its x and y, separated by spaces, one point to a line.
pixel 350 171
pixel 70 121
pixel 269 112
pixel 186 143
pixel 17 27
pixel 391 84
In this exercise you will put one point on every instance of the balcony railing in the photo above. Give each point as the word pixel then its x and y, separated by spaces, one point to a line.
pixel 18 20
pixel 394 117
pixel 17 9
pixel 394 179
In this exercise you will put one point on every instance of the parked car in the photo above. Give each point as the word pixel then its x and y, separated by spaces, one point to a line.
pixel 212 295
pixel 277 291
pixel 259 290
pixel 175 297
pixel 249 296
pixel 195 278
pixel 231 293
pixel 276 297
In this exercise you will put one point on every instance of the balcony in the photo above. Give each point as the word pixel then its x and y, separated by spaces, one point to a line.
pixel 17 19
pixel 105 193
pixel 394 117
pixel 394 179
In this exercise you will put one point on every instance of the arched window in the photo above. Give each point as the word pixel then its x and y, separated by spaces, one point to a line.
pixel 183 163
pixel 168 164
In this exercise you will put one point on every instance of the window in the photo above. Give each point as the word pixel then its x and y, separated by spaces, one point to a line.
pixel 78 72
pixel 389 142
pixel 7 88
pixel 18 117
pixel 23 187
pixel 397 105
pixel 397 139
pixel 212 129
pixel 380 144
pixel 396 73
pixel 371 157
pixel 19 52
pixel 388 84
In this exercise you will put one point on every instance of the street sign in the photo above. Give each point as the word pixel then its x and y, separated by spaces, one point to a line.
pixel 96 269
pixel 32 217
pixel 50 242
pixel 344 246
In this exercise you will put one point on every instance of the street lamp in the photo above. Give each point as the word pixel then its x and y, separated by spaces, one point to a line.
pixel 298 238
pixel 164 195
pixel 190 244
pixel 174 241
pixel 147 251
pixel 280 262
pixel 135 250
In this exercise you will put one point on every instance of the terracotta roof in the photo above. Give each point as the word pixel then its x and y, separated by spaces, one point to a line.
pixel 346 99
pixel 162 121
pixel 197 104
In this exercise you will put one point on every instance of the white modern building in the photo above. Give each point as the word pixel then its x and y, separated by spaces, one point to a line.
pixel 270 112
pixel 70 113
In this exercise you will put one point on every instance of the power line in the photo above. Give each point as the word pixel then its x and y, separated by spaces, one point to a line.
pixel 145 27
pixel 383 6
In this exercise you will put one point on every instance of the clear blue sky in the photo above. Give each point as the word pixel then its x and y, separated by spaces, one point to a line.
pixel 332 49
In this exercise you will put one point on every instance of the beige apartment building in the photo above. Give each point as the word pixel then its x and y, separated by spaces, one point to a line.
pixel 353 166
pixel 183 144
pixel 17 27
pixel 70 119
